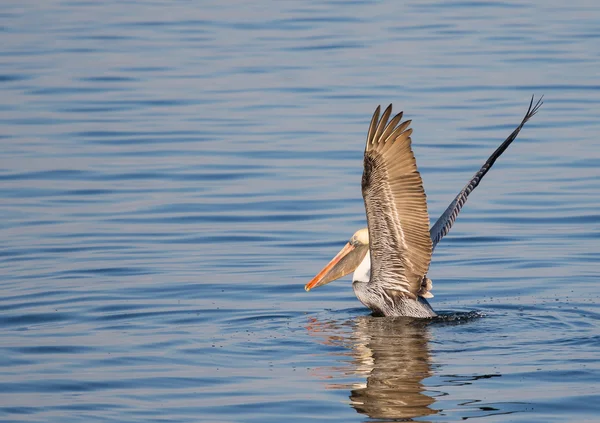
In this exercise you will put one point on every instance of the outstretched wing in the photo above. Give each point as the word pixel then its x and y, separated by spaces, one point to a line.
pixel 396 207
pixel 446 220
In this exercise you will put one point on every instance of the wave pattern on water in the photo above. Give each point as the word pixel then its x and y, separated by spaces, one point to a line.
pixel 171 176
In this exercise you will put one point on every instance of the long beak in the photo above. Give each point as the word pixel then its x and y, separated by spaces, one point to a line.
pixel 346 261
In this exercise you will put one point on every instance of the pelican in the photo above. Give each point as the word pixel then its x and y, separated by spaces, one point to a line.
pixel 390 258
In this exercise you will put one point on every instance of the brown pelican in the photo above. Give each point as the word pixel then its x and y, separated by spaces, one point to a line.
pixel 392 279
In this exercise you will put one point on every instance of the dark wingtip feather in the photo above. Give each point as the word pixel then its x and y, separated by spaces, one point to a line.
pixel 532 110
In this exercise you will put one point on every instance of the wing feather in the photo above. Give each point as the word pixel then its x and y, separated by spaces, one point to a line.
pixel 446 220
pixel 396 207
pixel 373 126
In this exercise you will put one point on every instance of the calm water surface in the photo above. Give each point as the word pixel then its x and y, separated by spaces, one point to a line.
pixel 172 174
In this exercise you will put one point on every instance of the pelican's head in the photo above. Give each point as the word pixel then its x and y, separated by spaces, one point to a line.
pixel 345 262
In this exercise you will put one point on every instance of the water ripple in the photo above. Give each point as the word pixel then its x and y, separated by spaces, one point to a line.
pixel 172 176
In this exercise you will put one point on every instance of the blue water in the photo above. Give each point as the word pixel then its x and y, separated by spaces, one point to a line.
pixel 173 173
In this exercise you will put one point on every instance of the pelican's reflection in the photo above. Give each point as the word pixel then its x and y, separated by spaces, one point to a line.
pixel 393 355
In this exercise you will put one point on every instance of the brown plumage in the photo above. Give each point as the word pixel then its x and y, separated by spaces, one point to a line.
pixel 396 207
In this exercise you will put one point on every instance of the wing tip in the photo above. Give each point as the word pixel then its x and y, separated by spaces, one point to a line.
pixel 533 109
pixel 381 131
pixel 373 125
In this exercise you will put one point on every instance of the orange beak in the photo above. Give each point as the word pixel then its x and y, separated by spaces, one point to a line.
pixel 346 261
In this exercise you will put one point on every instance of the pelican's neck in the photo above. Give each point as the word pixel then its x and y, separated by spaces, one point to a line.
pixel 363 271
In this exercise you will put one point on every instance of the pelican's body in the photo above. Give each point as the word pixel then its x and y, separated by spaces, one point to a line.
pixel 391 257
pixel 372 297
